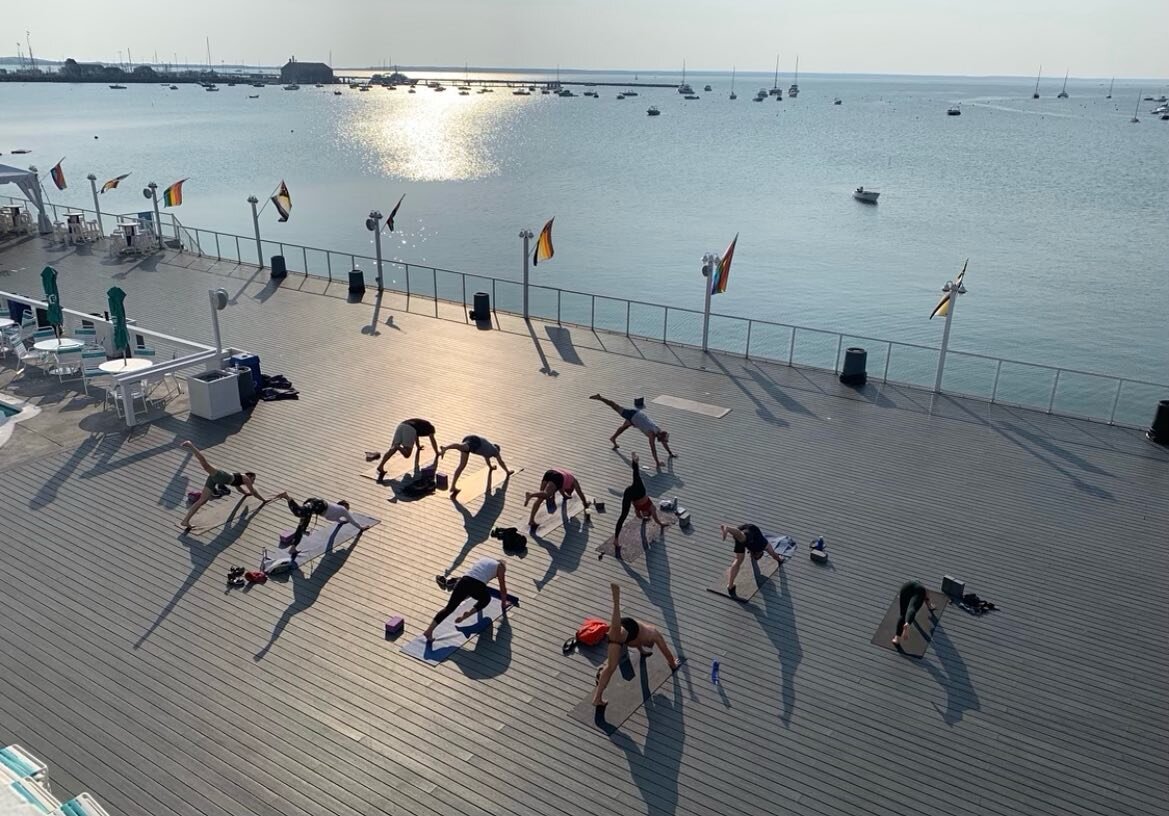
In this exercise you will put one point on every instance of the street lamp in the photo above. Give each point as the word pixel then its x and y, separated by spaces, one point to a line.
pixel 374 225
pixel 527 235
pixel 952 289
pixel 151 192
pixel 256 226
pixel 96 206
pixel 709 262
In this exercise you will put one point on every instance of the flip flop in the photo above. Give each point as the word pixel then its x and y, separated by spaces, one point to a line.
pixel 441 581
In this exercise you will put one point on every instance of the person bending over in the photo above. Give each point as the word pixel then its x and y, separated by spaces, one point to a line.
pixel 336 512
pixel 406 442
pixel 218 480
pixel 473 585
pixel 643 506
pixel 637 418
pixel 478 445
pixel 910 599
pixel 626 632
pixel 748 539
pixel 556 480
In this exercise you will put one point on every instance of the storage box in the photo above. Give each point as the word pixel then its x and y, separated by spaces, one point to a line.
pixel 953 587
pixel 287 537
pixel 441 482
pixel 820 556
pixel 394 625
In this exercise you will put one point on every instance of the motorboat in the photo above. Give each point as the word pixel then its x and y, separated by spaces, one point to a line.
pixel 954 110
pixel 590 93
pixel 521 92
pixel 836 101
pixel 691 96
pixel 364 89
pixel 117 87
pixel 866 196
pixel 232 85
pixel 411 91
pixel 174 87
pixel 211 88
pixel 620 96
pixel 1161 109
pixel 292 87
pixel 319 85
pixel 257 84
pixel 760 95
pixel 253 96
pixel 631 92
pixel 338 93
pixel 1165 117
pixel 653 111
pixel 707 88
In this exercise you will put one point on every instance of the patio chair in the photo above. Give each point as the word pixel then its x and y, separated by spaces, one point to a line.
pixel 92 233
pixel 60 232
pixel 86 336
pixel 27 356
pixel 117 243
pixel 68 364
pixel 83 805
pixel 43 334
pixel 29 790
pixel 91 374
pixel 137 392
pixel 23 764
pixel 8 340
pixel 28 324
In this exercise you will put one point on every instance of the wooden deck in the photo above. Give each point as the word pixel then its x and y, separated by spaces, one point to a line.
pixel 136 676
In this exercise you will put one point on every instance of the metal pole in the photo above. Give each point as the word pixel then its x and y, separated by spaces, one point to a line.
pixel 888 356
pixel 1054 386
pixel 527 236
pixel 96 206
pixel 157 218
pixel 994 391
pixel 256 226
pixel 434 283
pixel 374 225
pixel 747 353
pixel 839 346
pixel 1115 402
pixel 708 262
pixel 212 298
pixel 44 226
pixel 953 290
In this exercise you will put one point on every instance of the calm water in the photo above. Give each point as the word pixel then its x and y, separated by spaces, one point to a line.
pixel 1062 206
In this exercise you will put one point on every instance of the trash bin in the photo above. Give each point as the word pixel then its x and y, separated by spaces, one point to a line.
pixel 214 394
pixel 279 270
pixel 1159 431
pixel 247 387
pixel 853 371
pixel 356 282
pixel 481 313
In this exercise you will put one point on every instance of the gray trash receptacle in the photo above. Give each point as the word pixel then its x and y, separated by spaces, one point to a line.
pixel 481 313
pixel 853 371
pixel 279 268
pixel 1159 431
pixel 247 385
pixel 356 282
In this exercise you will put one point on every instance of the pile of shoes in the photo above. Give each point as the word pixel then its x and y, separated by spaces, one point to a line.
pixel 276 387
pixel 975 605
pixel 235 577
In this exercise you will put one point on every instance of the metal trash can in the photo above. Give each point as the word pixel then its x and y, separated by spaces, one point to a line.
pixel 1159 431
pixel 214 394
pixel 247 386
pixel 356 282
pixel 481 313
pixel 853 371
pixel 250 362
pixel 279 270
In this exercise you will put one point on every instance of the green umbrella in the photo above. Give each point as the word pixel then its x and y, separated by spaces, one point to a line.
pixel 118 315
pixel 49 279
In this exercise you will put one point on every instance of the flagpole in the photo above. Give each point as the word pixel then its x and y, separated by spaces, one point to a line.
pixel 527 236
pixel 376 227
pixel 96 206
pixel 709 262
pixel 952 290
pixel 256 225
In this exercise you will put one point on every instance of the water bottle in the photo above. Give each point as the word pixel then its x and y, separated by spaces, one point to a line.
pixel 818 544
pixel 714 672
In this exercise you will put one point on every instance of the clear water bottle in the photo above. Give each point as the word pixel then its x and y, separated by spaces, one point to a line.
pixel 714 672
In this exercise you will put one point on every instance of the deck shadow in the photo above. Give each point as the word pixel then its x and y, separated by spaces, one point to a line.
pixel 479 523
pixel 953 677
pixel 777 619
pixel 491 655
pixel 561 339
pixel 306 589
pixel 567 556
pixel 656 767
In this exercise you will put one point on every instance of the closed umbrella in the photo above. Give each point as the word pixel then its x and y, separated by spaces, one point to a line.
pixel 118 316
pixel 53 297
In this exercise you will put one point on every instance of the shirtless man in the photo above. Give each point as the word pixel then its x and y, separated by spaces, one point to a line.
pixel 216 481
pixel 556 480
pixel 637 418
pixel 406 441
pixel 478 445
pixel 748 539
pixel 626 632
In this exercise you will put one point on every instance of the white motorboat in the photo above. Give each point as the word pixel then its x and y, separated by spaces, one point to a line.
pixel 866 196
pixel 706 88
pixel 954 110
pixel 760 95
pixel 117 87
pixel 836 101
pixel 292 87
pixel 653 111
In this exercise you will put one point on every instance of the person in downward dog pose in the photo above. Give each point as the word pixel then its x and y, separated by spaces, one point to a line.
pixel 623 633
pixel 406 441
pixel 748 539
pixel 218 481
pixel 637 418
pixel 910 599
pixel 471 585
pixel 477 445
pixel 556 480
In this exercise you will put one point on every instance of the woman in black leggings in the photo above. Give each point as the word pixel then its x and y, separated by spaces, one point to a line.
pixel 472 585
pixel 910 599
pixel 636 497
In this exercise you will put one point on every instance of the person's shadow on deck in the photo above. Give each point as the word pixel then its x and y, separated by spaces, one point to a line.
pixel 657 589
pixel 953 677
pixel 492 653
pixel 306 589
pixel 779 624
pixel 478 524
pixel 567 556
pixel 48 491
pixel 203 555
pixel 655 767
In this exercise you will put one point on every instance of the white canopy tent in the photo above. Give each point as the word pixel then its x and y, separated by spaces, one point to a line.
pixel 30 185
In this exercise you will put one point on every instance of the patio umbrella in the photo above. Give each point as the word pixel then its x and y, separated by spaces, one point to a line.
pixel 118 316
pixel 53 297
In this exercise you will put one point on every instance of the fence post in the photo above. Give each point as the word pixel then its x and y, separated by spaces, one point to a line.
pixel 628 306
pixel 888 356
pixel 998 369
pixel 304 254
pixel 237 253
pixel 407 281
pixel 791 348
pixel 665 324
pixel 747 353
pixel 839 346
pixel 558 307
pixel 434 282
pixel 329 264
pixel 1116 401
pixel 593 313
pixel 1054 385
pixel 218 253
pixel 466 318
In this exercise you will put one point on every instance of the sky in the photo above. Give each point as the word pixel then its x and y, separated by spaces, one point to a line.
pixel 1091 38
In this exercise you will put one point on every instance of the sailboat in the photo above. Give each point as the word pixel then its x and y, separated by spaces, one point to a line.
pixel 684 88
pixel 776 91
pixel 1035 94
pixel 1063 94
pixel 1110 88
pixel 733 94
pixel 794 90
pixel 1134 119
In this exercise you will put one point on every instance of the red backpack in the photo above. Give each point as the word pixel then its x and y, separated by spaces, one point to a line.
pixel 590 633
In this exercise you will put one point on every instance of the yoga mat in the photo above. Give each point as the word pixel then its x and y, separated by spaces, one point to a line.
pixel 716 411
pixel 215 513
pixel 752 575
pixel 325 537
pixel 625 697
pixel 394 473
pixel 449 637
pixel 917 641
pixel 549 522
pixel 635 539
pixel 476 484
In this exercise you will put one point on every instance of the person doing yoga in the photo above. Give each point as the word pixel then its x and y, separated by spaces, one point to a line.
pixel 748 539
pixel 406 441
pixel 477 445
pixel 336 512
pixel 626 632
pixel 643 506
pixel 557 480
pixel 217 481
pixel 637 418
pixel 472 585
pixel 910 599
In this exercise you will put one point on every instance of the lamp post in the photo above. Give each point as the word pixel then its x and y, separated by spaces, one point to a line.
pixel 152 193
pixel 218 298
pixel 256 226
pixel 96 206
pixel 952 291
pixel 374 225
pixel 527 235
pixel 43 225
pixel 709 262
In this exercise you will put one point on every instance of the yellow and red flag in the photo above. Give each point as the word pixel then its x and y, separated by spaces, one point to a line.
pixel 544 249
pixel 943 307
pixel 58 175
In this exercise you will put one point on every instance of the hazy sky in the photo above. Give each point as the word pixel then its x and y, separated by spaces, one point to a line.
pixel 973 37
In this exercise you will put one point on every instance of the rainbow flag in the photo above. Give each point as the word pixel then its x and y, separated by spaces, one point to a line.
pixel 394 212
pixel 544 249
pixel 58 175
pixel 283 201
pixel 113 183
pixel 173 196
pixel 943 307
pixel 722 272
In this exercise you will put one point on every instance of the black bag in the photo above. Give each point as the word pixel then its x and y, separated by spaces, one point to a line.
pixel 511 537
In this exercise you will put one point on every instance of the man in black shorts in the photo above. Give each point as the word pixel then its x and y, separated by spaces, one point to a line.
pixel 748 539
pixel 471 585
pixel 477 445
pixel 406 441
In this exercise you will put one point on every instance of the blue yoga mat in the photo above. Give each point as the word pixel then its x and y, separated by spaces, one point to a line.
pixel 449 637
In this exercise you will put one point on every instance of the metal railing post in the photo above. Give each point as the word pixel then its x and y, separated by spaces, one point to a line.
pixel 434 282
pixel 237 255
pixel 665 324
pixel 218 252
pixel 494 301
pixel 995 390
pixel 593 313
pixel 407 280
pixel 304 254
pixel 352 261
pixel 558 293
pixel 1115 401
pixel 791 348
pixel 888 356
pixel 466 317
pixel 628 306
pixel 329 264
pixel 1054 385
pixel 839 346
pixel 747 353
